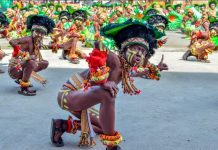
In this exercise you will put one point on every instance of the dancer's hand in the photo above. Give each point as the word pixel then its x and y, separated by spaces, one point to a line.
pixel 165 40
pixel 162 66
pixel 111 86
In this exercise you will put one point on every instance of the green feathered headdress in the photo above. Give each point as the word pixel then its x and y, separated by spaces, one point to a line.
pixel 212 2
pixel 177 5
pixel 58 6
pixel 153 4
pixel 42 5
pixel 168 5
pixel 132 32
pixel 202 5
pixel 118 4
pixel 196 5
pixel 107 5
pixel 70 9
pixel 50 4
pixel 96 4
pixel 126 4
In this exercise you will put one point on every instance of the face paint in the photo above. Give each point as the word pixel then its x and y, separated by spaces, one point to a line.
pixel 37 34
pixel 132 54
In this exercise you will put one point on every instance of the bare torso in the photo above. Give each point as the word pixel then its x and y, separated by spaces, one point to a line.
pixel 26 44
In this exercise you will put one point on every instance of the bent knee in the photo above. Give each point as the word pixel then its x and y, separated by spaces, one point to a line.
pixel 106 96
pixel 31 64
pixel 45 64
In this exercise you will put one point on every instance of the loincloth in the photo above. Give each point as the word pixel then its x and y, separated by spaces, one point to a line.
pixel 14 64
pixel 74 83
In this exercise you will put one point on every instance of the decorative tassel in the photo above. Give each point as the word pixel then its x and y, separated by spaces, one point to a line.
pixel 86 130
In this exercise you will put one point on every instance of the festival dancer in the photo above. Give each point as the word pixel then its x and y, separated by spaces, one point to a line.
pixel 51 10
pixel 214 33
pixel 188 22
pixel 26 58
pixel 72 53
pixel 59 30
pixel 4 33
pixel 212 12
pixel 98 84
pixel 168 9
pixel 203 9
pixel 58 9
pixel 178 8
pixel 201 44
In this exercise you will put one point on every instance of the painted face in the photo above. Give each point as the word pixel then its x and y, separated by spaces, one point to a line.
pixel 51 7
pixel 203 8
pixel 178 9
pixel 44 9
pixel 38 34
pixel 135 55
pixel 170 9
pixel 63 20
pixel 213 32
pixel 78 23
pixel 59 9
pixel 212 6
pixel 160 28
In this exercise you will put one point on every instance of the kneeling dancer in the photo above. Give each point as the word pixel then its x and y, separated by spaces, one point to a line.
pixel 136 42
pixel 26 58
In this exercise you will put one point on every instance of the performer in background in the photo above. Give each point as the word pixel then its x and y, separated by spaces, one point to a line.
pixel 26 58
pixel 201 45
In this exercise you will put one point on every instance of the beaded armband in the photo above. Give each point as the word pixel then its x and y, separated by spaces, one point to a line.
pixel 140 69
pixel 154 72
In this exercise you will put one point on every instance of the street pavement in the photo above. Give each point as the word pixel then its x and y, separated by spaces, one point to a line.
pixel 179 112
